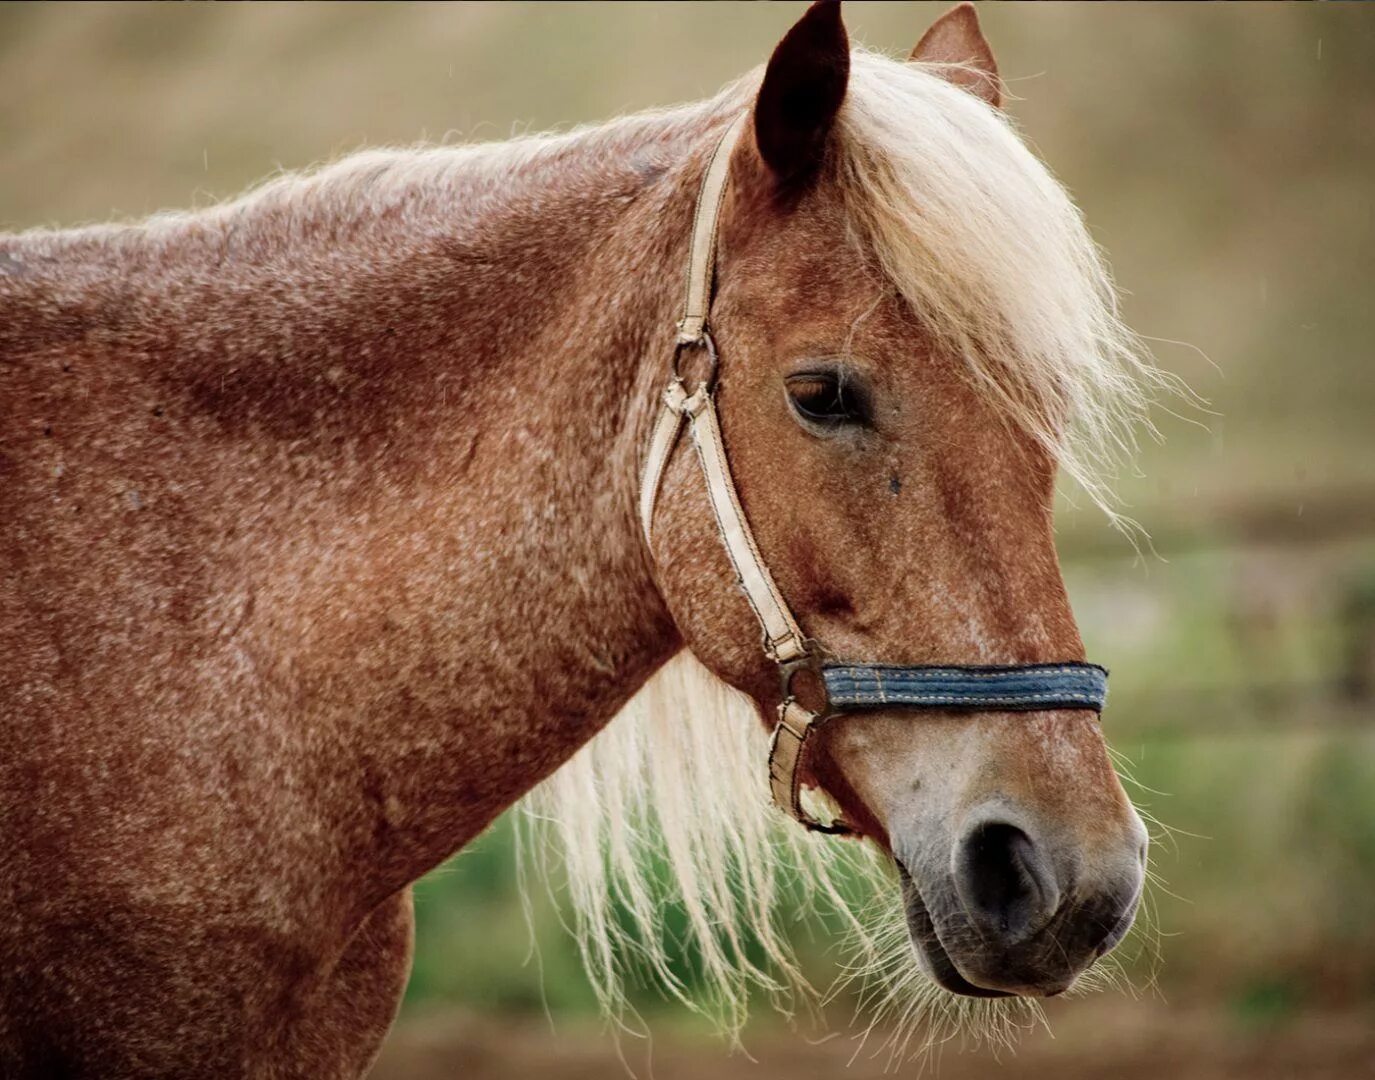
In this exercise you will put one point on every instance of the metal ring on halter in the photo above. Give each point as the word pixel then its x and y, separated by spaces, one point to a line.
pixel 708 344
pixel 811 661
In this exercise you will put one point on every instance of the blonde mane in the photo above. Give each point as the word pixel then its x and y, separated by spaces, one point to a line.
pixel 988 249
pixel 667 808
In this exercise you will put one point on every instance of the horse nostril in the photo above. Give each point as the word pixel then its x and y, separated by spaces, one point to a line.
pixel 1006 886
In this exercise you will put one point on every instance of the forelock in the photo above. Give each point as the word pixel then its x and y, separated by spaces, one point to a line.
pixel 986 246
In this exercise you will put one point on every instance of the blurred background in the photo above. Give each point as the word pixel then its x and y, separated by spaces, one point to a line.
pixel 1225 158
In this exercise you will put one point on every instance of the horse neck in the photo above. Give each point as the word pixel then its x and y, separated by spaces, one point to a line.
pixel 386 424
pixel 542 333
pixel 468 437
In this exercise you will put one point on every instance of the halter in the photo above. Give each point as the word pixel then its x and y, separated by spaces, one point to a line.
pixel 843 687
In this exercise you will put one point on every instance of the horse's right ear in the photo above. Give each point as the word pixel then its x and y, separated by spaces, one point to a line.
pixel 801 94
pixel 956 41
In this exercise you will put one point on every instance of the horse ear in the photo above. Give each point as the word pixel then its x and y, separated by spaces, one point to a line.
pixel 956 39
pixel 802 91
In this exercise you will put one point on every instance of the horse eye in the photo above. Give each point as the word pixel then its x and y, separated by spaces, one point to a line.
pixel 824 398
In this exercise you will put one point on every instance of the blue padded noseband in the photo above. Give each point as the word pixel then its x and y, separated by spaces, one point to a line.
pixel 856 687
pixel 1010 688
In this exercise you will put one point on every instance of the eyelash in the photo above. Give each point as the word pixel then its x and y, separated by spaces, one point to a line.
pixel 833 401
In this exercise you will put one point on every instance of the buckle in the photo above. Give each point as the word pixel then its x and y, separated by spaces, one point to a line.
pixel 707 344
pixel 813 695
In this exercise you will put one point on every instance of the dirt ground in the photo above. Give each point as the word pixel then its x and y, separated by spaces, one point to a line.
pixel 1115 1040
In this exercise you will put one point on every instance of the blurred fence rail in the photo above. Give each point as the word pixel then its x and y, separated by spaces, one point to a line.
pixel 1291 518
pixel 1248 613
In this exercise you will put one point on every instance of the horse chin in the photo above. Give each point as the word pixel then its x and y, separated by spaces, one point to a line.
pixel 931 956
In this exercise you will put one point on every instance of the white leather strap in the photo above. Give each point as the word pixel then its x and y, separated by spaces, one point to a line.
pixel 661 444
pixel 702 255
pixel 783 640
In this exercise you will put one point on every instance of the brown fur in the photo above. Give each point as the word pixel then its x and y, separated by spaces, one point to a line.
pixel 319 549
pixel 318 552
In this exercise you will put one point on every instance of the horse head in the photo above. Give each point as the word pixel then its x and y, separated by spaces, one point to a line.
pixel 914 333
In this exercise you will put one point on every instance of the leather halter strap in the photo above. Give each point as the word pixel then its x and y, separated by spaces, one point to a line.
pixel 783 640
pixel 1069 685
pixel 701 270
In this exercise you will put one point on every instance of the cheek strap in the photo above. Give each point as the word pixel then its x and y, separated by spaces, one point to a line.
pixel 783 640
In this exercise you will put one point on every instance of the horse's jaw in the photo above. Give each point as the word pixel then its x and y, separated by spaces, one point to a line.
pixel 931 954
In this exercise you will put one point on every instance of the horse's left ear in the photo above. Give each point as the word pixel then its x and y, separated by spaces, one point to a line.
pixel 956 39
pixel 801 93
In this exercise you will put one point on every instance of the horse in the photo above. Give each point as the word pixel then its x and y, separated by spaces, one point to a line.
pixel 321 546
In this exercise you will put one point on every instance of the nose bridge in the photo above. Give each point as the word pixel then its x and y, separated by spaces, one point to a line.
pixel 1026 605
pixel 1049 776
pixel 996 546
pixel 971 602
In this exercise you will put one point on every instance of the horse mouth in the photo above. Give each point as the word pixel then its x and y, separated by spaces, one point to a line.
pixel 930 952
pixel 1122 926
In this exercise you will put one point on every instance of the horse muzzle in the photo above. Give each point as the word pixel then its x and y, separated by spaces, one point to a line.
pixel 1003 912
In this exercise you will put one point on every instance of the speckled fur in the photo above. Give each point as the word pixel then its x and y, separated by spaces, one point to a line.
pixel 318 549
